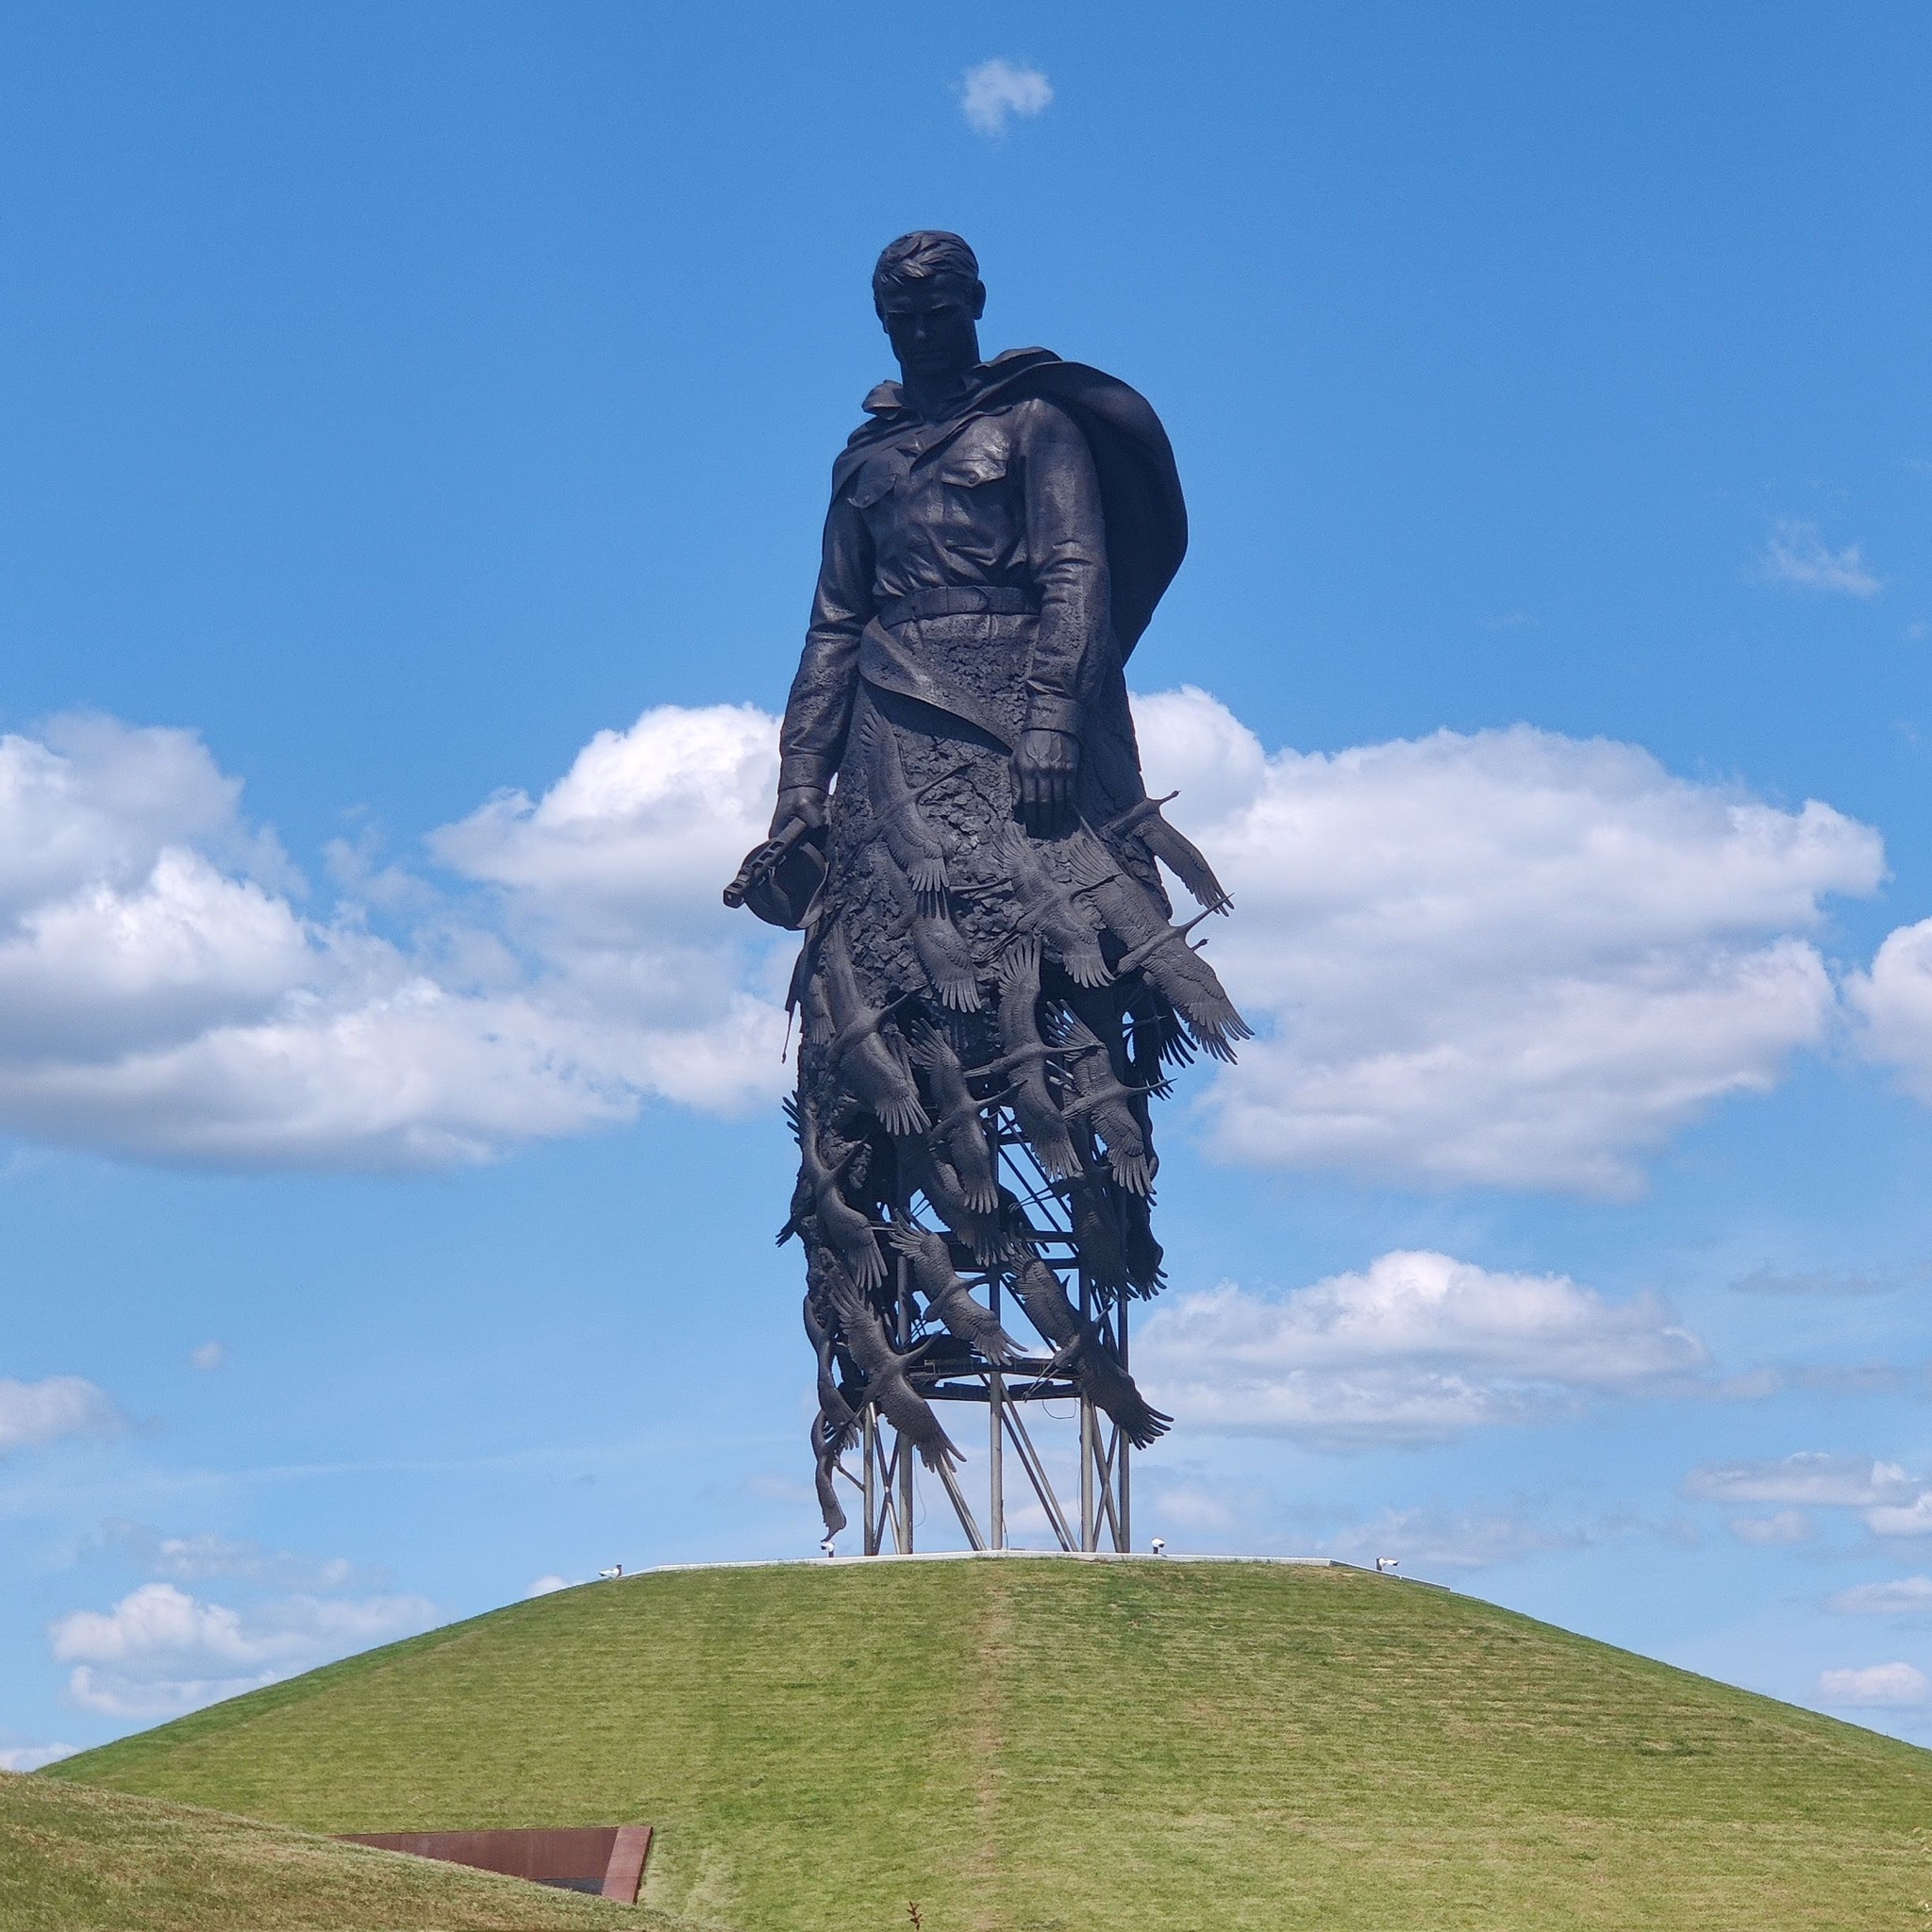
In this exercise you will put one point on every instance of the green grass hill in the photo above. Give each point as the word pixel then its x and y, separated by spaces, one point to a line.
pixel 75 1859
pixel 1166 1746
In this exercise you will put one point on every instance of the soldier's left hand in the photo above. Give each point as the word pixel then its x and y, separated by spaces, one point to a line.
pixel 1045 766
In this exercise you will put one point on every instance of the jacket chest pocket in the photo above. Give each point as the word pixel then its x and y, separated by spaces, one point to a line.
pixel 980 457
pixel 877 479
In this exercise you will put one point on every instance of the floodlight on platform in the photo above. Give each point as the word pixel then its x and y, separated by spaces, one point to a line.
pixel 612 1574
pixel 827 1547
pixel 1160 1547
pixel 1388 1566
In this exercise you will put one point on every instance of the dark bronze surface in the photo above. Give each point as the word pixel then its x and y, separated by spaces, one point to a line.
pixel 964 839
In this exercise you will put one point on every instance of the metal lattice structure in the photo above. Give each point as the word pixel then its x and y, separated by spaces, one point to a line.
pixel 1102 1517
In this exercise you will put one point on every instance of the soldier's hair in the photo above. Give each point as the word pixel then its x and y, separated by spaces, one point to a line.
pixel 926 255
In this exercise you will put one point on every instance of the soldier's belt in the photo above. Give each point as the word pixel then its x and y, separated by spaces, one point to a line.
pixel 959 600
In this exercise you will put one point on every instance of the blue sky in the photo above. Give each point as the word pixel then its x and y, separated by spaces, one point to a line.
pixel 417 421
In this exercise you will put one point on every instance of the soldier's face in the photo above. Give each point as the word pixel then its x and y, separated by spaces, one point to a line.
pixel 932 329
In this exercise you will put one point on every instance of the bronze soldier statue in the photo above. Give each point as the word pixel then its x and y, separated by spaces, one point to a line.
pixel 992 986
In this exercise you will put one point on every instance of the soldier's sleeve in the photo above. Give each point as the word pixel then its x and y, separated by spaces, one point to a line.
pixel 1066 540
pixel 819 712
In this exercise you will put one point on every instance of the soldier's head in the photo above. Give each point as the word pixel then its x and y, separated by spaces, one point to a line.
pixel 928 291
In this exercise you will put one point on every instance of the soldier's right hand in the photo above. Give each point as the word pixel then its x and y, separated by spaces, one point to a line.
pixel 807 802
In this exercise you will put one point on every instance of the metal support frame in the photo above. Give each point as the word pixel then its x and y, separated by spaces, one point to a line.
pixel 1104 1517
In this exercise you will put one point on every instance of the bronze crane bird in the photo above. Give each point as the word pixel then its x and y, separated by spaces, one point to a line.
pixel 946 1295
pixel 865 1058
pixel 957 1126
pixel 825 1465
pixel 1174 967
pixel 1144 1255
pixel 1019 1028
pixel 1045 906
pixel 1099 1375
pixel 1153 1040
pixel 1093 1207
pixel 941 946
pixel 887 1385
pixel 1175 850
pixel 815 1010
pixel 894 807
pixel 979 1229
pixel 837 1423
pixel 1108 1107
pixel 1045 1301
pixel 1097 1371
pixel 845 1226
pixel 837 1415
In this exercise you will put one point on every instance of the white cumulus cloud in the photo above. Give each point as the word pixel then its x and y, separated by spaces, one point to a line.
pixel 32 1756
pixel 1884 1687
pixel 1418 1347
pixel 162 995
pixel 996 91
pixel 1893 1003
pixel 1507 958
pixel 36 1412
pixel 1798 555
pixel 161 1651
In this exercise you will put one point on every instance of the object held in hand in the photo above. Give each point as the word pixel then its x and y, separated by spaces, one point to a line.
pixel 780 878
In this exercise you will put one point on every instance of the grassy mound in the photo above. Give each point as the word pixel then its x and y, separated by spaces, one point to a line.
pixel 1019 1744
pixel 75 1859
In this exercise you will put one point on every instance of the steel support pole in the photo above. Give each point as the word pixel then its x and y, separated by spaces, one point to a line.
pixel 870 1431
pixel 1090 1539
pixel 904 1525
pixel 1121 1489
pixel 997 1446
pixel 1089 1524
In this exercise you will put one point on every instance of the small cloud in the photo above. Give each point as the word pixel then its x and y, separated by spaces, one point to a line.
pixel 1833 1281
pixel 208 1356
pixel 547 1584
pixel 1798 555
pixel 995 90
pixel 1810 1479
pixel 1436 1539
pixel 1889 1687
pixel 1900 1596
pixel 32 1413
pixel 32 1757
pixel 1778 1530
pixel 1908 1519
pixel 197 1558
